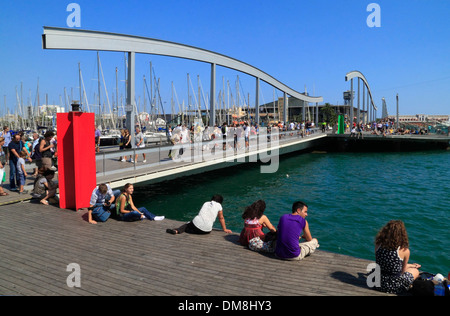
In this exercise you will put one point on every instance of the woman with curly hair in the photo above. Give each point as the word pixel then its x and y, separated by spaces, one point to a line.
pixel 254 221
pixel 392 255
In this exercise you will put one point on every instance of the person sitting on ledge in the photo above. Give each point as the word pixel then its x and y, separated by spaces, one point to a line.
pixel 44 187
pixel 289 232
pixel 254 222
pixel 126 211
pixel 392 255
pixel 203 222
pixel 103 196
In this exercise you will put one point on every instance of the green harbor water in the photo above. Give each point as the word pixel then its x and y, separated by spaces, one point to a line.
pixel 350 197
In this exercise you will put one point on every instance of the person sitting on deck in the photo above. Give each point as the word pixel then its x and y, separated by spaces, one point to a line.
pixel 102 196
pixel 128 212
pixel 44 188
pixel 203 222
pixel 392 255
pixel 2 165
pixel 290 229
pixel 254 222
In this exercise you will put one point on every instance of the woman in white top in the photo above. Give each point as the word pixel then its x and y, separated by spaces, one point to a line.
pixel 203 222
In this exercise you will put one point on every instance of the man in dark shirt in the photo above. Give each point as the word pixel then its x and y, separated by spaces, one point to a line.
pixel 15 147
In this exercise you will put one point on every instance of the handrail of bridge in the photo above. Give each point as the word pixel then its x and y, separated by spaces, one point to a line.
pixel 258 143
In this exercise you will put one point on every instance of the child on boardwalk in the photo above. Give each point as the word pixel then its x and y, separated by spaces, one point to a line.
pixel 44 188
pixel 21 171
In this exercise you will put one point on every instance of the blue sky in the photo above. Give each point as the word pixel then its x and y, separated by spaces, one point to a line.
pixel 310 44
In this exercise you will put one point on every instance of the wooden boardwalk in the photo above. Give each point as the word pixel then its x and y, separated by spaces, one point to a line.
pixel 38 242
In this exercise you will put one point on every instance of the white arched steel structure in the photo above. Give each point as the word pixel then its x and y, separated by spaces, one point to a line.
pixel 360 76
pixel 76 39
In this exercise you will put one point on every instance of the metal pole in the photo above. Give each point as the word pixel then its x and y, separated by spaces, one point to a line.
pixel 351 104
pixel 398 125
pixel 364 104
pixel 212 97
pixel 131 84
pixel 257 102
pixel 285 108
pixel 317 115
pixel 358 113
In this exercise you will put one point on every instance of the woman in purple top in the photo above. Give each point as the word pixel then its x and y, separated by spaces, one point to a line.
pixel 290 229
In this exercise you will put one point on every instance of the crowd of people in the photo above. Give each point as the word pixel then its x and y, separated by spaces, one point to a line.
pixel 236 135
pixel 382 127
pixel 17 149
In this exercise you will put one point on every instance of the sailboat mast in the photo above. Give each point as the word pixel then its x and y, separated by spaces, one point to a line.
pixel 117 95
pixel 79 82
pixel 37 106
pixel 99 90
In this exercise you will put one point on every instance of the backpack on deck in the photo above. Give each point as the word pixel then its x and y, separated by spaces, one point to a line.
pixel 101 213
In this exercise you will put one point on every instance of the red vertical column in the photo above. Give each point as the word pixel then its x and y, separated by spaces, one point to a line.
pixel 76 158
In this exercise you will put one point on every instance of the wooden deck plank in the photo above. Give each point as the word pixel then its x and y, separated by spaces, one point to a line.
pixel 38 242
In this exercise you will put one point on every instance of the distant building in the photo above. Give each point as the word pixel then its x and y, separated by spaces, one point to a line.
pixel 275 110
pixel 420 118
pixel 50 110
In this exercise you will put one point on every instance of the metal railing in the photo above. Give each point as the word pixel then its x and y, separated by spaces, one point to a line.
pixel 110 162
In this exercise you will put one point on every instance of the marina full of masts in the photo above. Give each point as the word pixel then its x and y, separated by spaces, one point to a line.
pixel 233 105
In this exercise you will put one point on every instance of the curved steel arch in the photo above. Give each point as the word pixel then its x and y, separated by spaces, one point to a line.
pixel 358 74
pixel 75 39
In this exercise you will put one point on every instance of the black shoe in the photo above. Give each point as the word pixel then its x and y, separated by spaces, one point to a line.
pixel 171 231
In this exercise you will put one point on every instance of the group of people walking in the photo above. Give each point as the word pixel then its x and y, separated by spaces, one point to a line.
pixel 125 143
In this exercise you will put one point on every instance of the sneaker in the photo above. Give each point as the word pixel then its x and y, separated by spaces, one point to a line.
pixel 145 160
pixel 123 160
pixel 159 218
pixel 131 160
pixel 171 231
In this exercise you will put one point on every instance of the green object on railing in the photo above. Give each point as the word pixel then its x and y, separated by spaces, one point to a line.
pixel 341 126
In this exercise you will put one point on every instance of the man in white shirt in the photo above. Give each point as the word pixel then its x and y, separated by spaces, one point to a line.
pixel 102 195
pixel 203 222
